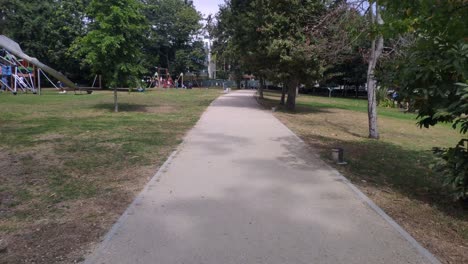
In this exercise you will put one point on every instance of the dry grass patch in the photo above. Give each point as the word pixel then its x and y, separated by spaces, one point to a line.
pixel 70 166
pixel 394 171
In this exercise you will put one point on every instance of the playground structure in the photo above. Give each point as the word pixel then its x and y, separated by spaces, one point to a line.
pixel 20 72
pixel 17 74
pixel 181 80
pixel 162 78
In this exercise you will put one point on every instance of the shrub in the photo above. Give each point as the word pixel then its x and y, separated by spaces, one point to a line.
pixel 453 165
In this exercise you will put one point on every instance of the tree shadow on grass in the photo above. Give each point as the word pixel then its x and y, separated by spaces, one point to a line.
pixel 269 103
pixel 383 165
pixel 389 166
pixel 123 107
pixel 345 129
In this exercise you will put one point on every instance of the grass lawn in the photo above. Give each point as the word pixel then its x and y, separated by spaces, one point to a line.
pixel 70 166
pixel 394 171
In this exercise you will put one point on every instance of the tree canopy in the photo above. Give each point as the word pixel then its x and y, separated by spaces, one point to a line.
pixel 416 48
pixel 172 39
pixel 112 47
pixel 47 30
pixel 269 39
pixel 431 70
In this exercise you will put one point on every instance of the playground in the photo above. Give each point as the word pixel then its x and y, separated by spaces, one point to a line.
pixel 22 74
pixel 70 166
pixel 394 171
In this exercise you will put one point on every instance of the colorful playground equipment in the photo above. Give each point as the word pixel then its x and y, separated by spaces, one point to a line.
pixel 162 78
pixel 20 72
pixel 17 74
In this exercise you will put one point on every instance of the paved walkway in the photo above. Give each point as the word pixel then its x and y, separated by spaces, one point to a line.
pixel 243 190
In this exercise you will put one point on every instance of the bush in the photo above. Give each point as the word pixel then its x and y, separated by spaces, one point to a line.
pixel 383 99
pixel 387 103
pixel 453 165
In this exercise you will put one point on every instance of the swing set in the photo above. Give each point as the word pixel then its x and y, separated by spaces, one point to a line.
pixel 163 79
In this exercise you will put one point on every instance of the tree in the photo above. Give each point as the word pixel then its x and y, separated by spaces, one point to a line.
pixel 284 30
pixel 171 42
pixel 8 13
pixel 268 38
pixel 226 35
pixel 431 72
pixel 248 41
pixel 190 58
pixel 113 45
pixel 338 39
pixel 343 28
pixel 376 51
pixel 27 23
pixel 67 24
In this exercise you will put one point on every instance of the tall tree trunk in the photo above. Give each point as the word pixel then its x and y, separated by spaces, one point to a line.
pixel 261 87
pixel 284 89
pixel 377 48
pixel 116 103
pixel 372 108
pixel 292 93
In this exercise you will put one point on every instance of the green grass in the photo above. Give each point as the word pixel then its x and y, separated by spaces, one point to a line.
pixel 85 135
pixel 310 103
pixel 57 151
pixel 396 158
pixel 354 105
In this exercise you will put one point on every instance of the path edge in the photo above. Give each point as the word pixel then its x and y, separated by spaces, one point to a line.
pixel 102 245
pixel 91 258
pixel 363 197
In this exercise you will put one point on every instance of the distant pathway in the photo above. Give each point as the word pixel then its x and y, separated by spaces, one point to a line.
pixel 243 189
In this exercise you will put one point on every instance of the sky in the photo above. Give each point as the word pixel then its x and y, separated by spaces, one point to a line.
pixel 207 7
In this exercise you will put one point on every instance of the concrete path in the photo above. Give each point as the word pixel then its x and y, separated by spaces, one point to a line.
pixel 243 189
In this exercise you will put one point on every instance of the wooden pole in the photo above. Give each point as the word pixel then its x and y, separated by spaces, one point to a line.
pixel 12 81
pixel 16 73
pixel 160 77
pixel 39 81
pixel 116 103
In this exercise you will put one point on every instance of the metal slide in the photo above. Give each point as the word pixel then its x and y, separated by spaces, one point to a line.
pixel 15 49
